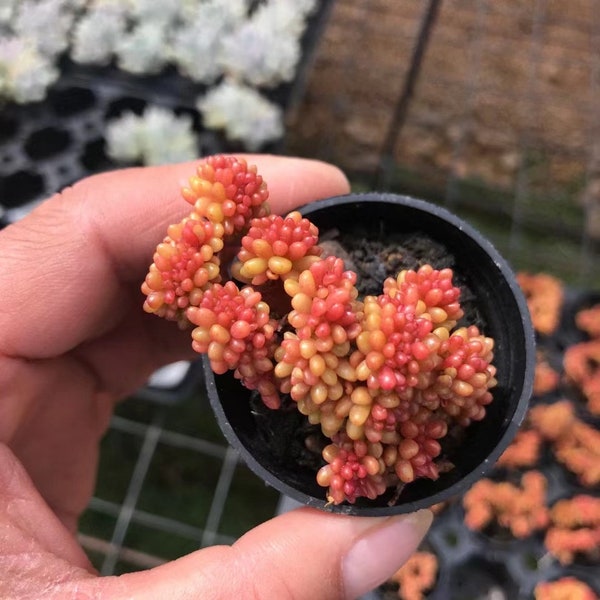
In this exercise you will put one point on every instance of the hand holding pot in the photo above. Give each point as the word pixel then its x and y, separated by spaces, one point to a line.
pixel 74 341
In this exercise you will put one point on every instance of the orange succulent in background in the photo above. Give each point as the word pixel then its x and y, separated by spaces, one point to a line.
pixel 552 420
pixel 575 443
pixel 544 294
pixel 524 451
pixel 588 320
pixel 582 367
pixel 579 451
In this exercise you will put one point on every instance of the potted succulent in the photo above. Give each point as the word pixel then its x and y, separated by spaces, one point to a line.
pixel 344 396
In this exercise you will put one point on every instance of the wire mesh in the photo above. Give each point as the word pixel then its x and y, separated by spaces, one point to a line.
pixel 501 126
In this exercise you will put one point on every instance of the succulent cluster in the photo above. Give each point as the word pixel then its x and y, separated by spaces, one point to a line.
pixel 544 294
pixel 565 588
pixel 523 510
pixel 575 529
pixel 385 377
pixel 582 368
pixel 417 576
pixel 518 508
pixel 156 137
pixel 574 443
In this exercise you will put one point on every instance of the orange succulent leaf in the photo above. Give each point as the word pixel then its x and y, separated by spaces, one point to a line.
pixel 552 420
pixel 524 451
pixel 574 529
pixel 417 576
pixel 574 443
pixel 582 367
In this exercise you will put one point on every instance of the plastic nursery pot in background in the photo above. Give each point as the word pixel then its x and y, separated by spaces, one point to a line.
pixel 269 441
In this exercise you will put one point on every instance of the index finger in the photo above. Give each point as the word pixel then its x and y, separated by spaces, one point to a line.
pixel 68 267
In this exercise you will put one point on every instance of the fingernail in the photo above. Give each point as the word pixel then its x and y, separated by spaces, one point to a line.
pixel 379 552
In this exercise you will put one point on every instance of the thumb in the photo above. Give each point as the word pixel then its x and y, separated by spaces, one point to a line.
pixel 304 554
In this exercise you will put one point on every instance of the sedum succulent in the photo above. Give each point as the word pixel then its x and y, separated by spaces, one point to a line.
pixel 242 113
pixel 25 74
pixel 384 377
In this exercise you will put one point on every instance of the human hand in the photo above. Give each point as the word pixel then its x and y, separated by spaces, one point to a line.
pixel 74 341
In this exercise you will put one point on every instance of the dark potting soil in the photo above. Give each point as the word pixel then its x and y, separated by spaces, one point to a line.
pixel 374 260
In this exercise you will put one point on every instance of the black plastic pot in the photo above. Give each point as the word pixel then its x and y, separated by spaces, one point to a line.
pixel 503 310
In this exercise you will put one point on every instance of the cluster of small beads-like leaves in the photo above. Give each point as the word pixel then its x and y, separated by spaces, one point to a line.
pixel 227 191
pixel 235 330
pixel 276 247
pixel 385 377
pixel 417 576
pixel 184 264
pixel 574 529
pixel 407 376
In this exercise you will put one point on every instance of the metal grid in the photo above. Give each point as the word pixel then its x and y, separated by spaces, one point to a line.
pixel 109 552
pixel 487 107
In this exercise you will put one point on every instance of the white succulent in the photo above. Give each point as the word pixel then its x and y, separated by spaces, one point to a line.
pixel 259 54
pixel 142 50
pixel 123 138
pixel 196 44
pixel 123 6
pixel 46 23
pixel 189 8
pixel 97 32
pixel 7 10
pixel 243 113
pixel 265 50
pixel 25 74
pixel 156 11
pixel 157 137
pixel 168 138
pixel 287 16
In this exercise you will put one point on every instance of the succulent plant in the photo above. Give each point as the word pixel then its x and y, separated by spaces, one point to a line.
pixel 156 137
pixel 518 508
pixel 385 377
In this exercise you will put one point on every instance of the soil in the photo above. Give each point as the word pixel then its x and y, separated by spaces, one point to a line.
pixel 374 260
